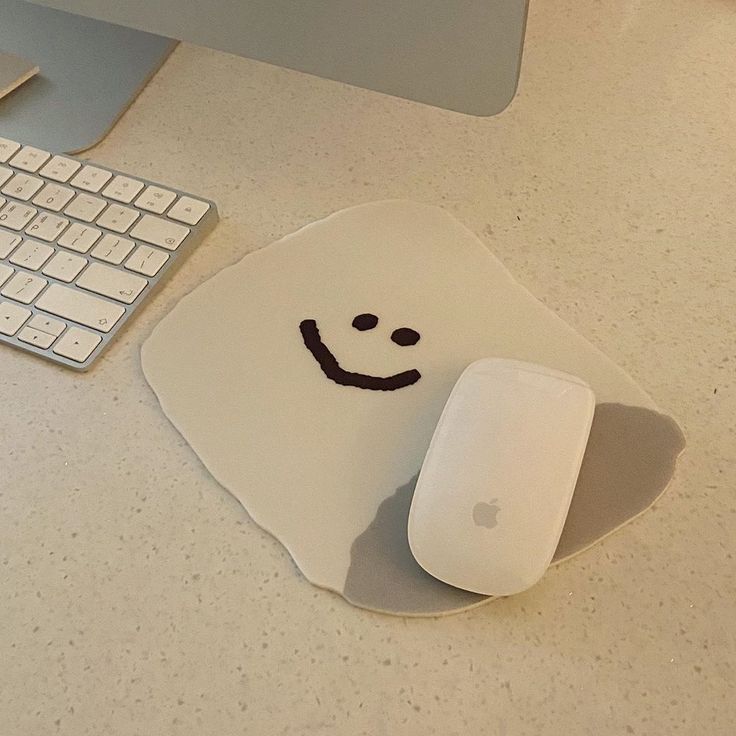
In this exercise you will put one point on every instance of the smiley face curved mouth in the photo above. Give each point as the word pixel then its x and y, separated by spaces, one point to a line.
pixel 331 368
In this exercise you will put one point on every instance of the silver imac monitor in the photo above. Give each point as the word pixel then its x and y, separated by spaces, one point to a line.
pixel 462 55
pixel 96 55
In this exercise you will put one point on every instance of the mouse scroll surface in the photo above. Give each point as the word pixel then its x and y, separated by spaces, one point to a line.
pixel 314 401
pixel 494 490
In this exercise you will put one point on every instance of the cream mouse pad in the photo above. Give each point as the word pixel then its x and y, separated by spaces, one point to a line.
pixel 309 378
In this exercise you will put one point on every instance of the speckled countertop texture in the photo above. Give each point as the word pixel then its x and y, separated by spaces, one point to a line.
pixel 136 596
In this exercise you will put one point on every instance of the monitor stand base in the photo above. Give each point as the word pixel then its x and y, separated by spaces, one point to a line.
pixel 90 73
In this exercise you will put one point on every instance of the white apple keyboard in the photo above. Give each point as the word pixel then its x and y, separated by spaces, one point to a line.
pixel 81 248
pixel 497 481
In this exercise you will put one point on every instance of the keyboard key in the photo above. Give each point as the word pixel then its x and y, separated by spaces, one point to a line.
pixel 188 210
pixel 77 344
pixel 79 237
pixel 36 337
pixel 12 317
pixel 7 149
pixel 91 179
pixel 113 249
pixel 85 207
pixel 117 218
pixel 31 255
pixel 47 227
pixel 159 231
pixel 146 260
pixel 106 281
pixel 30 159
pixel 123 189
pixel 16 216
pixel 47 325
pixel 80 247
pixel 5 273
pixel 54 197
pixel 22 186
pixel 64 267
pixel 60 168
pixel 8 242
pixel 70 303
pixel 24 287
pixel 155 199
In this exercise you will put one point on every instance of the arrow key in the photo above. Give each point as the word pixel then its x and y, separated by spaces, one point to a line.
pixel 36 337
pixel 46 324
pixel 12 318
pixel 77 344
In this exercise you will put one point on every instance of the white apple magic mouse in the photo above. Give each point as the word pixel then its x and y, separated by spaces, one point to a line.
pixel 496 483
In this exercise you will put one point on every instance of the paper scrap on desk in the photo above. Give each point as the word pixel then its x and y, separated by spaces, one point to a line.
pixel 309 378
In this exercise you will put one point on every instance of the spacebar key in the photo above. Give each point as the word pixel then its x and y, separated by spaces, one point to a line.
pixel 81 308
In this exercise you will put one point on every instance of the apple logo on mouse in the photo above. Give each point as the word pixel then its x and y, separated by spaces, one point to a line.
pixel 484 513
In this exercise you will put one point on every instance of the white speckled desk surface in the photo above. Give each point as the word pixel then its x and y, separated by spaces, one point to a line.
pixel 137 597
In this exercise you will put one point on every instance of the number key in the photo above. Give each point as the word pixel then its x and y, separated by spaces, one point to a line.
pixel 54 197
pixel 22 186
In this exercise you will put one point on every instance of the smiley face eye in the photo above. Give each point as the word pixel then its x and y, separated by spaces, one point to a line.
pixel 365 322
pixel 405 336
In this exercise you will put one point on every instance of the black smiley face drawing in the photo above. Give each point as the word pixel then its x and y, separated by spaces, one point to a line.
pixel 403 336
